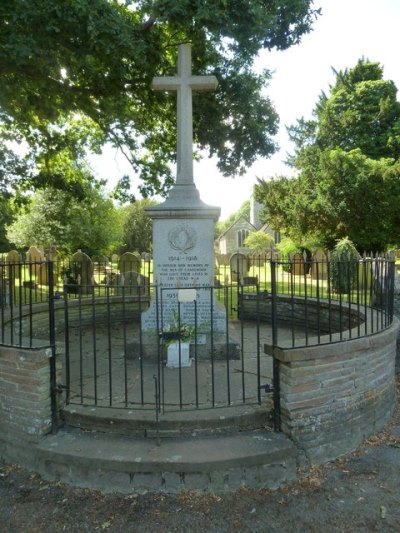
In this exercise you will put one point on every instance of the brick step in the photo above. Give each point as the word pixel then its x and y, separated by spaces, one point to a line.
pixel 215 463
pixel 143 423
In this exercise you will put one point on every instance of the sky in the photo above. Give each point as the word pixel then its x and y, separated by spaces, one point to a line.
pixel 346 31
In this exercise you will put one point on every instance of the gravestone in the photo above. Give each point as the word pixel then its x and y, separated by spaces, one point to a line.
pixel 52 255
pixel 183 226
pixel 81 273
pixel 35 258
pixel 298 264
pixel 319 265
pixel 43 275
pixel 239 265
pixel 129 262
pixel 13 262
pixel 35 255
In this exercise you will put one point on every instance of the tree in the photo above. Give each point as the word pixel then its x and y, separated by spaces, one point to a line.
pixel 259 241
pixel 6 216
pixel 90 63
pixel 137 227
pixel 348 159
pixel 55 217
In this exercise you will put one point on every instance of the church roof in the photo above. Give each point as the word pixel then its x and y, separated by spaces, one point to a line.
pixel 235 223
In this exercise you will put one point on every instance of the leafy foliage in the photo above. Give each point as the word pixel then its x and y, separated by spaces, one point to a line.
pixel 137 227
pixel 55 217
pixel 259 241
pixel 348 159
pixel 77 74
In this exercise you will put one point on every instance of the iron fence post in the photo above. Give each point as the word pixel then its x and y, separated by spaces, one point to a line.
pixel 275 361
pixel 52 340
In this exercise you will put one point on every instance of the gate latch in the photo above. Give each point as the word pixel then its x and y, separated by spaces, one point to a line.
pixel 268 388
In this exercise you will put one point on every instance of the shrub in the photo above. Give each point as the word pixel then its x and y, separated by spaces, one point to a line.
pixel 344 266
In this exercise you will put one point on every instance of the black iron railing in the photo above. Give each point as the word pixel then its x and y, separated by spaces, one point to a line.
pixel 91 317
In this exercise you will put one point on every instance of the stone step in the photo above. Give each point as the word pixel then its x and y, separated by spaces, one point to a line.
pixel 143 423
pixel 218 463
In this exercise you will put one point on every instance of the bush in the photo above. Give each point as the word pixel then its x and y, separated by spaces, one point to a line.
pixel 287 248
pixel 344 266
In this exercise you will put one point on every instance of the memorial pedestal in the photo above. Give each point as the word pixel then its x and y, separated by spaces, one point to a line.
pixel 179 355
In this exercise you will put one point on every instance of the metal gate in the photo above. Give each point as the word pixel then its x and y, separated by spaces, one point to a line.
pixel 193 365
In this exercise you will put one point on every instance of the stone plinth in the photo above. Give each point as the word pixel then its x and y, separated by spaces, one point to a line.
pixel 183 264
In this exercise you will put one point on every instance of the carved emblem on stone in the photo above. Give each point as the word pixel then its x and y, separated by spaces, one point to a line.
pixel 182 238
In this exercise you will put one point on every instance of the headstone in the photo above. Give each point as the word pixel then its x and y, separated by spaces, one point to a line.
pixel 52 255
pixel 81 272
pixel 35 255
pixel 239 266
pixel 129 262
pixel 319 265
pixel 42 277
pixel 13 261
pixel 298 265
pixel 35 259
pixel 183 226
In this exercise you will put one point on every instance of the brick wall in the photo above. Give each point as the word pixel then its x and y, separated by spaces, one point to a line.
pixel 397 313
pixel 25 404
pixel 333 396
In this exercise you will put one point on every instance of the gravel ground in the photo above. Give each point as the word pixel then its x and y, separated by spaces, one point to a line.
pixel 358 493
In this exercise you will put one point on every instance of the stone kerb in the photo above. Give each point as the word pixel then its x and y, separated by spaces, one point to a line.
pixel 334 395
pixel 25 414
pixel 327 317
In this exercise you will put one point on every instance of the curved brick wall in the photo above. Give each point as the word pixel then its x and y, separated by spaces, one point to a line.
pixel 334 395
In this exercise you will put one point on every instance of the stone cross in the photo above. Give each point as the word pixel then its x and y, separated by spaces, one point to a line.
pixel 184 83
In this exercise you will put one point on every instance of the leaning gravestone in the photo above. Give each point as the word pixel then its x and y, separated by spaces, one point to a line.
pixel 183 226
